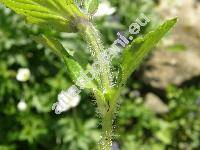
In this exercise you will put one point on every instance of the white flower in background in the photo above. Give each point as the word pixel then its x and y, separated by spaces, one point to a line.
pixel 104 9
pixel 23 74
pixel 22 105
pixel 66 100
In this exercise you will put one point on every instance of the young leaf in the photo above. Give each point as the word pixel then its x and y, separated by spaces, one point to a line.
pixel 139 48
pixel 58 14
pixel 73 68
pixel 91 6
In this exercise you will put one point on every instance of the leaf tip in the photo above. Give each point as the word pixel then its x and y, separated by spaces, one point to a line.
pixel 173 20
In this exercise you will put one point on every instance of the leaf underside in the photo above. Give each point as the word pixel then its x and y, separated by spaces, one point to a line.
pixel 56 14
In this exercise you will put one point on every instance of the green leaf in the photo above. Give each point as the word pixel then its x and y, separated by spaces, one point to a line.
pixel 57 14
pixel 91 6
pixel 139 48
pixel 73 68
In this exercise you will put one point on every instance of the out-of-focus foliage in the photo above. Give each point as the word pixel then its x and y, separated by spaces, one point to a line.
pixel 140 128
pixel 126 13
pixel 39 128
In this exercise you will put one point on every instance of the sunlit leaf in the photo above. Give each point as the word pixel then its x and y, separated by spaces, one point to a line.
pixel 74 69
pixel 139 48
pixel 57 14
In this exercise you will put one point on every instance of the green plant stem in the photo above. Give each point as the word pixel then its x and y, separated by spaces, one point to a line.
pixel 107 130
pixel 106 105
pixel 107 111
pixel 92 37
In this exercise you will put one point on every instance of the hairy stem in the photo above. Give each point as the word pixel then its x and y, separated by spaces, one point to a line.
pixel 106 140
pixel 92 37
pixel 106 105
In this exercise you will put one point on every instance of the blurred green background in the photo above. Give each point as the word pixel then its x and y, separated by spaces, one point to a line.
pixel 160 106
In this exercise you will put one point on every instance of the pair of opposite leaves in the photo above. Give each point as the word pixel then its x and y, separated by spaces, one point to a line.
pixel 60 15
